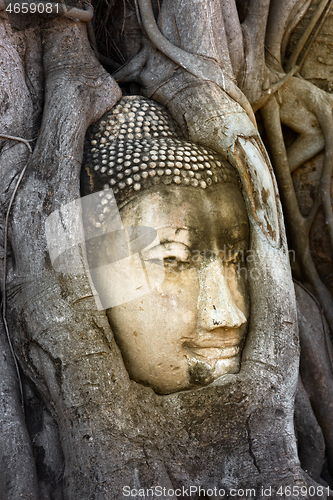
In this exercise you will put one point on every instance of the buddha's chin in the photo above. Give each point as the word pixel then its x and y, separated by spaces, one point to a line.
pixel 228 365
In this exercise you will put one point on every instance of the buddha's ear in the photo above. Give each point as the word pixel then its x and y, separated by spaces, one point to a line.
pixel 259 186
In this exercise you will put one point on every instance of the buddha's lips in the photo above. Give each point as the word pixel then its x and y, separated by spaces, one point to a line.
pixel 213 352
pixel 226 342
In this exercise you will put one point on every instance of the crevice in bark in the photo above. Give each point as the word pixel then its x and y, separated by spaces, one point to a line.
pixel 310 440
pixel 18 477
pixel 250 441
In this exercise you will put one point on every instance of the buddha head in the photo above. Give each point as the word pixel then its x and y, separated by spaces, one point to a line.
pixel 189 328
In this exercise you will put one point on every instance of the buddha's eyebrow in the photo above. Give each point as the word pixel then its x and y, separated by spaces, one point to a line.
pixel 166 241
pixel 178 230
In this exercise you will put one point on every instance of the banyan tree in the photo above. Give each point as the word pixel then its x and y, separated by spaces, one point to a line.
pixel 166 249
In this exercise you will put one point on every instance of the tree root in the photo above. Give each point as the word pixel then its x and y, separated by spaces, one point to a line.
pixel 234 36
pixel 267 94
pixel 132 70
pixel 203 69
pixel 310 440
pixel 19 119
pixel 254 31
pixel 289 13
pixel 308 111
pixel 324 5
pixel 316 367
pixel 18 477
pixel 317 105
pixel 18 139
pixel 78 91
pixel 299 226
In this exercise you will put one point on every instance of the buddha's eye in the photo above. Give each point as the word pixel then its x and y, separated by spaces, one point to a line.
pixel 176 256
pixel 170 260
pixel 174 262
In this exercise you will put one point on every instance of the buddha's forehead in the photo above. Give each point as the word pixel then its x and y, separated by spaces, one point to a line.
pixel 179 211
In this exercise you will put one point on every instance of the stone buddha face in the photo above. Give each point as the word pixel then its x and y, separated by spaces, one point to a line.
pixel 190 329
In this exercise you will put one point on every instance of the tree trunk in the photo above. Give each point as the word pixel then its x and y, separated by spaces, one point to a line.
pixel 87 430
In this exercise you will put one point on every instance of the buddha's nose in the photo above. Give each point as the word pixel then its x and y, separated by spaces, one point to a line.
pixel 216 304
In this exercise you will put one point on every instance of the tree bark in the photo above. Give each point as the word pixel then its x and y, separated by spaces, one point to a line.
pixel 89 430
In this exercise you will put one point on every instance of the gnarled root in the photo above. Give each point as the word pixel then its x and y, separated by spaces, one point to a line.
pixel 313 120
pixel 45 326
pixel 299 226
pixel 310 440
pixel 18 477
pixel 316 365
